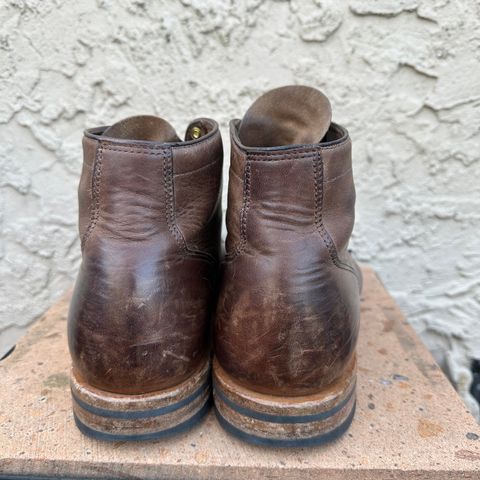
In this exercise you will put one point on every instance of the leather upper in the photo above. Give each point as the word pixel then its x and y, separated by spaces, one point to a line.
pixel 150 222
pixel 287 317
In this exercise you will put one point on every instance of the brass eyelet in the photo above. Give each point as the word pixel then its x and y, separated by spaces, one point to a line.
pixel 196 132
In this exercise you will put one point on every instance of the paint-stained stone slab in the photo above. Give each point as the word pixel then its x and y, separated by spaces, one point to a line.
pixel 410 423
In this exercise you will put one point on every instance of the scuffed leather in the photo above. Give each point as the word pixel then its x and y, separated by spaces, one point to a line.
pixel 150 219
pixel 288 311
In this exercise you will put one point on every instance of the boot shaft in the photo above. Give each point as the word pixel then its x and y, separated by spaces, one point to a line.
pixel 277 195
pixel 140 190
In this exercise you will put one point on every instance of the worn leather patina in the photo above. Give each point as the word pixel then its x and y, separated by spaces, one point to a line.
pixel 150 222
pixel 288 312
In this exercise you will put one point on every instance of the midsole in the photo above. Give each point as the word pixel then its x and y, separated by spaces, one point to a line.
pixel 179 428
pixel 321 439
pixel 284 418
pixel 155 412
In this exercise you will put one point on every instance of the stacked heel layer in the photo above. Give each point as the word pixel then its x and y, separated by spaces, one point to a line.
pixel 285 421
pixel 109 416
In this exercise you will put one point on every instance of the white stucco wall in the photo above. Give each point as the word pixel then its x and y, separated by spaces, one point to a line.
pixel 402 75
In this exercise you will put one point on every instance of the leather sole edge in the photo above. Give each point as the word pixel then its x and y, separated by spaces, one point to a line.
pixel 284 420
pixel 140 437
pixel 314 441
pixel 109 416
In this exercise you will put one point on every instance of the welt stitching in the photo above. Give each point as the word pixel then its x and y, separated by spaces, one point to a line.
pixel 304 153
pixel 243 213
pixel 292 158
pixel 133 146
pixel 270 157
pixel 246 206
pixel 95 201
pixel 132 150
pixel 318 215
pixel 289 153
pixel 169 200
pixel 338 145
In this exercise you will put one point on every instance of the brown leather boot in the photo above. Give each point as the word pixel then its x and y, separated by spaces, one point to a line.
pixel 150 217
pixel 288 311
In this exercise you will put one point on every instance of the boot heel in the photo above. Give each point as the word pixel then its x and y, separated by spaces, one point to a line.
pixel 284 421
pixel 109 416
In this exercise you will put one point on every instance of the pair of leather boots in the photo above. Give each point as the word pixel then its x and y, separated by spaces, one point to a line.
pixel 282 301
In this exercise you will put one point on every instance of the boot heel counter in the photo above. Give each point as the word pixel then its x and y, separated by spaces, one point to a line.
pixel 137 326
pixel 290 337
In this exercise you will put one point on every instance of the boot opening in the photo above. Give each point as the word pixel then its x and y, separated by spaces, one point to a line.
pixel 333 134
pixel 155 129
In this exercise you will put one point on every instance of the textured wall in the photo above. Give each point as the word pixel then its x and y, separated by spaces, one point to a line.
pixel 402 75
